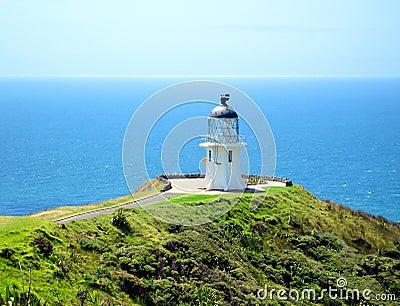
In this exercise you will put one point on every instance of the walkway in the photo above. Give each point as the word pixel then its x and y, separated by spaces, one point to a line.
pixel 92 214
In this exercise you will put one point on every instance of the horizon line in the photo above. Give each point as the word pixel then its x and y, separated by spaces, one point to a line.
pixel 196 75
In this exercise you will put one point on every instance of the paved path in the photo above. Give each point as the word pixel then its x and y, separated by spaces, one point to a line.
pixel 143 202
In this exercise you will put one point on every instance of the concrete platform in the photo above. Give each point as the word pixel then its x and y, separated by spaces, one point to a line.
pixel 196 185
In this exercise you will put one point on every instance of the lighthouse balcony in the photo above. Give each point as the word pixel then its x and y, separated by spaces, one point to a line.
pixel 223 139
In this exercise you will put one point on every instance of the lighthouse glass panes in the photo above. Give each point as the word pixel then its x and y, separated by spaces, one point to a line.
pixel 223 130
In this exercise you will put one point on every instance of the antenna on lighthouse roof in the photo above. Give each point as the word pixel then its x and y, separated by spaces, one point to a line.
pixel 224 99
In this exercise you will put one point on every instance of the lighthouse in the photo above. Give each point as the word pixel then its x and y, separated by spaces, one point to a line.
pixel 223 144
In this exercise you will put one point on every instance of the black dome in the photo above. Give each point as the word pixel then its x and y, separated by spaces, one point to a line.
pixel 223 111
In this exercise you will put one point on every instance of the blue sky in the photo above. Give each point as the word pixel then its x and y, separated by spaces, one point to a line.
pixel 128 37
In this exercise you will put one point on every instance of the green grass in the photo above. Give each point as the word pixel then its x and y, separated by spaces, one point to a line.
pixel 275 189
pixel 194 198
pixel 12 229
pixel 292 240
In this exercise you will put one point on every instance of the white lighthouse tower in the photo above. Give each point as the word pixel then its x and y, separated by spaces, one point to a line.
pixel 223 145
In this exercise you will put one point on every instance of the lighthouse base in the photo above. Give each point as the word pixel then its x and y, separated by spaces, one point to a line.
pixel 223 166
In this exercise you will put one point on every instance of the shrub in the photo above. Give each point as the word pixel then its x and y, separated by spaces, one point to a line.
pixel 362 244
pixel 93 245
pixel 175 246
pixel 258 228
pixel 7 253
pixel 63 265
pixel 109 258
pixel 120 220
pixel 82 295
pixel 43 245
pixel 132 285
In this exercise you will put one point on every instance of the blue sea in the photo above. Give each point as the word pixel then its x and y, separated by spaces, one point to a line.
pixel 61 138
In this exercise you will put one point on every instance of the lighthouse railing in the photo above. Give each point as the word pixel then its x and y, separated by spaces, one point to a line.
pixel 222 138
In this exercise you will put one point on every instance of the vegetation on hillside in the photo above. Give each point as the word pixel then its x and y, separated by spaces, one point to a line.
pixel 291 241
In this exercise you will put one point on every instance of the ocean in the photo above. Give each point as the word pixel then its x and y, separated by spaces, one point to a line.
pixel 61 138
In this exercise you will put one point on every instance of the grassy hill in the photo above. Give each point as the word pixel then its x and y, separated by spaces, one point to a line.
pixel 292 241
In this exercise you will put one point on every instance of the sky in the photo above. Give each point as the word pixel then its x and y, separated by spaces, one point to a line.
pixel 207 37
